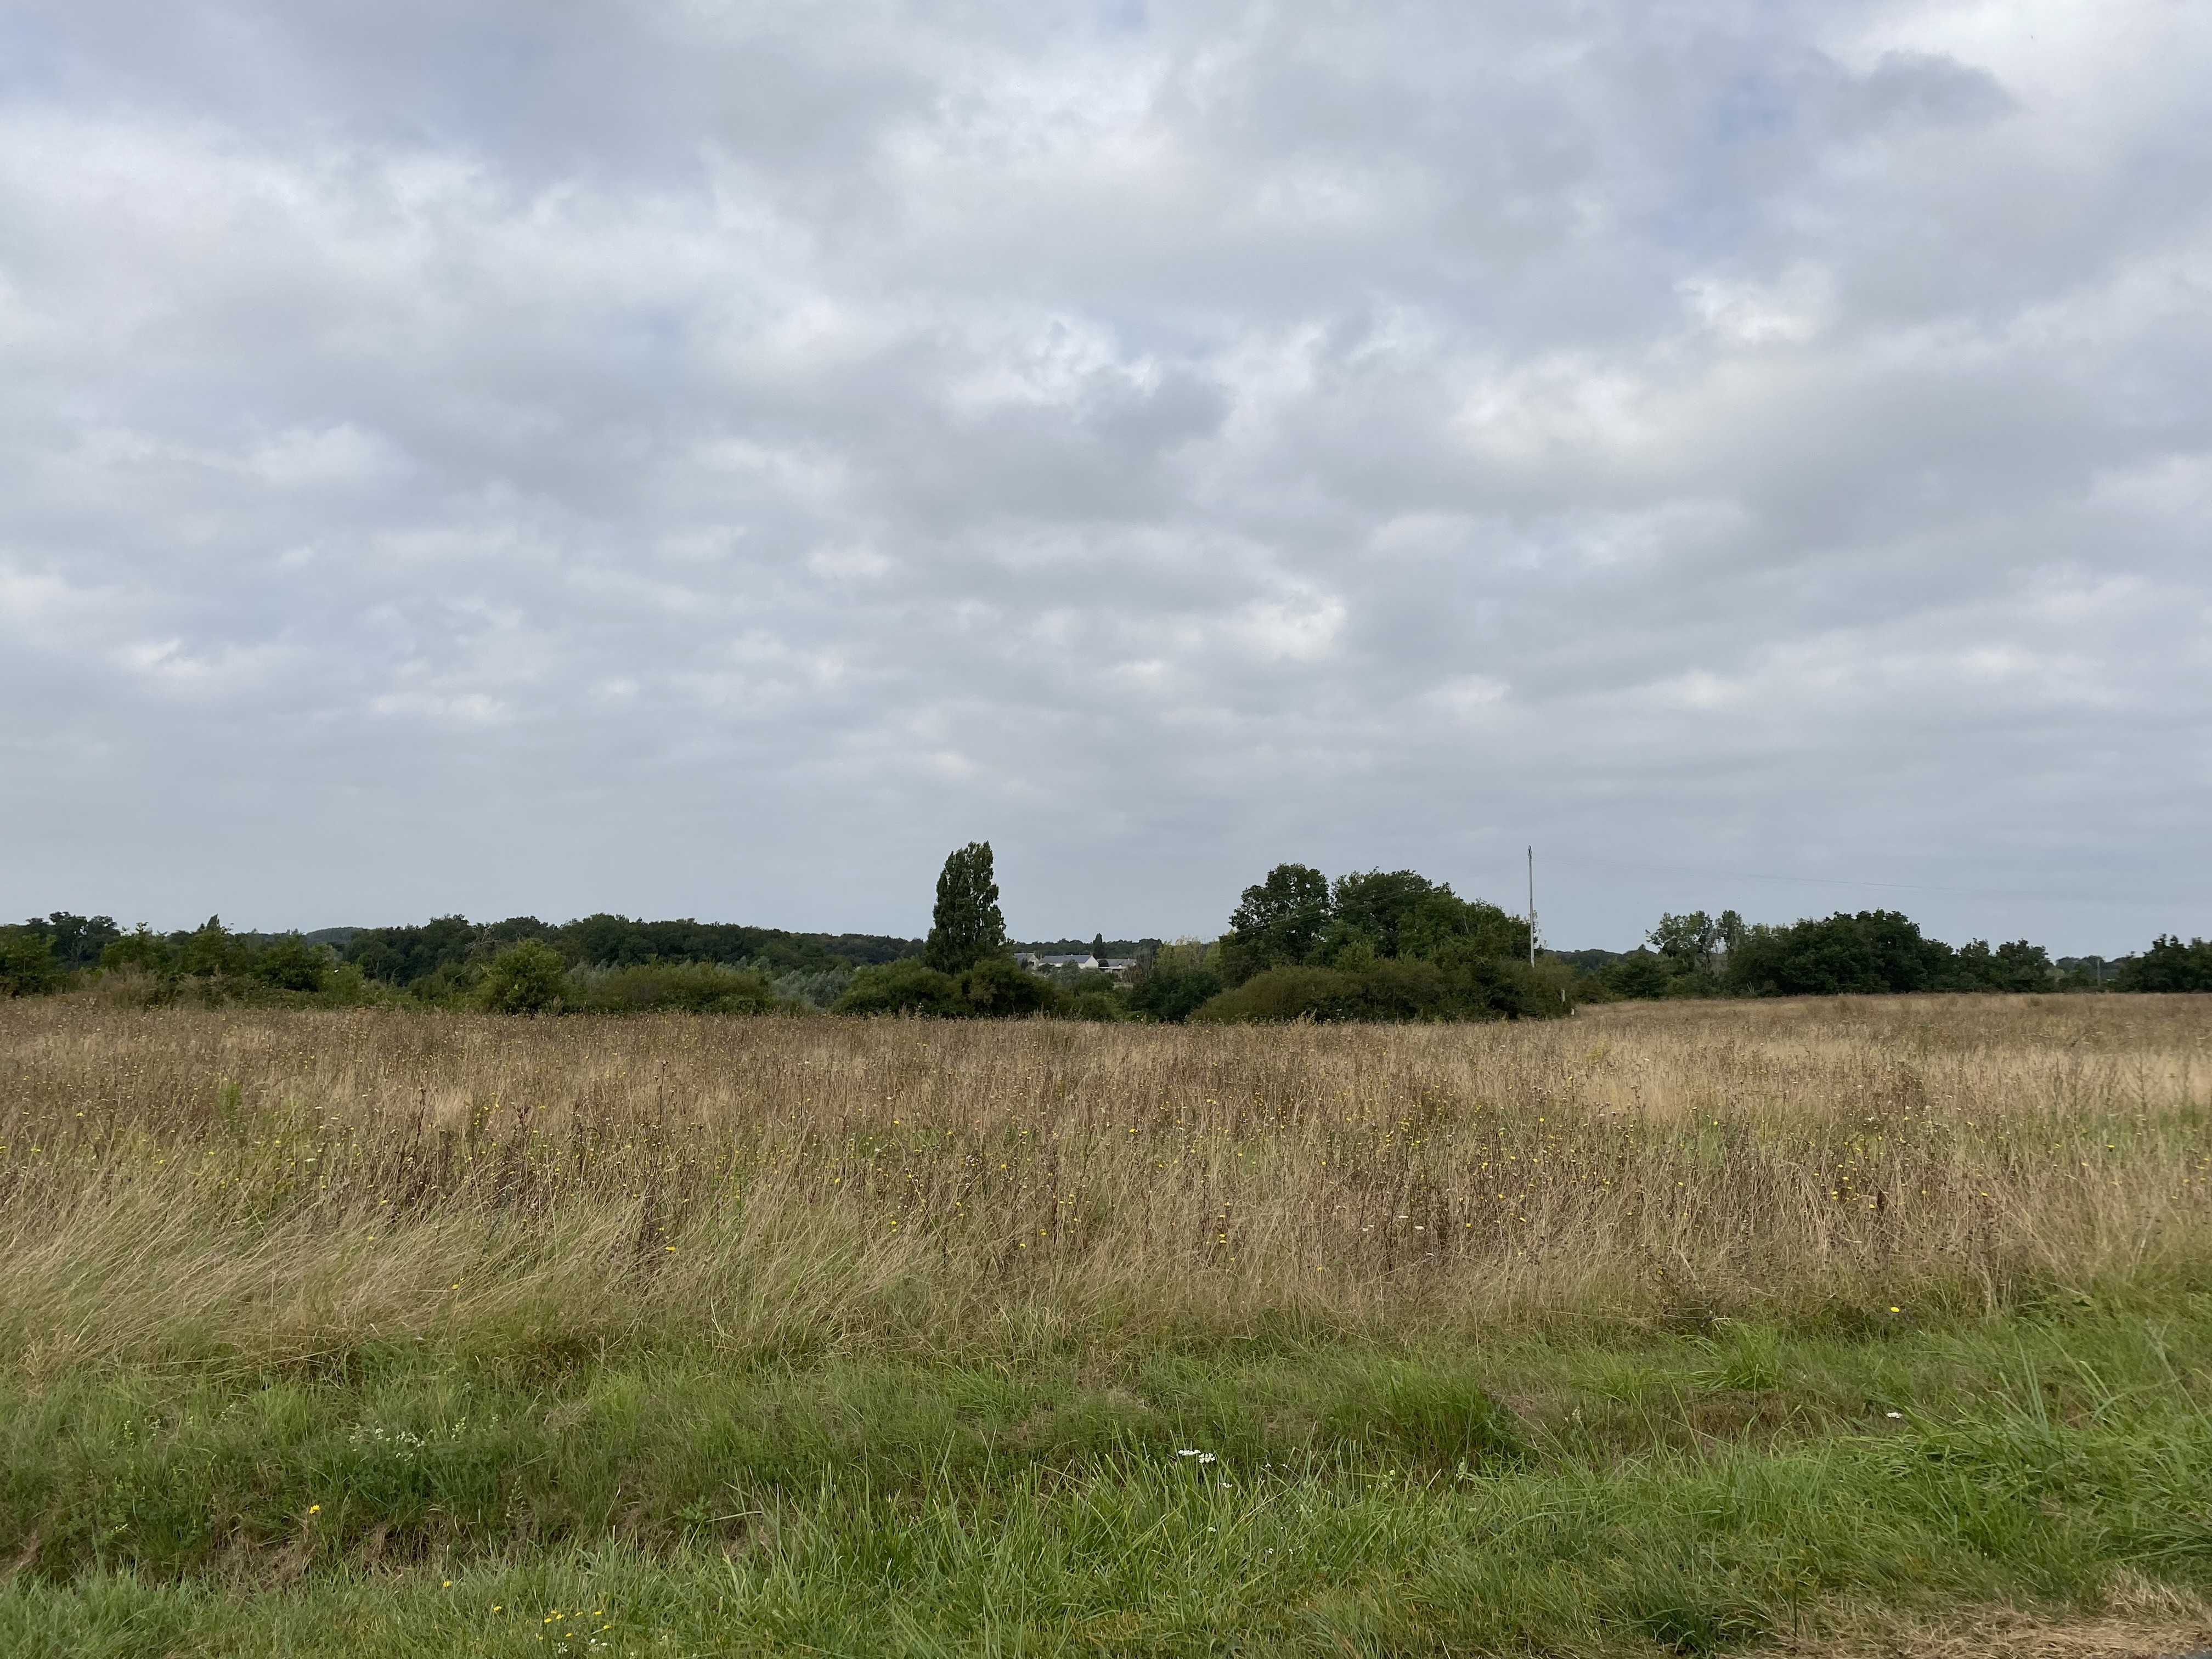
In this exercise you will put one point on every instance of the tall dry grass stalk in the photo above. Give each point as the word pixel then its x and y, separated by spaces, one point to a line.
pixel 282 1187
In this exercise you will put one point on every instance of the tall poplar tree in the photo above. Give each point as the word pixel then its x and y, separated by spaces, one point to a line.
pixel 966 926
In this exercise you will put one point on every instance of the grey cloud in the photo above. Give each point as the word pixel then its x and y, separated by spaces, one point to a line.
pixel 704 458
pixel 1931 86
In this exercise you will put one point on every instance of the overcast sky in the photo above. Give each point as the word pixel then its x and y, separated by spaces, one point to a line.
pixel 530 456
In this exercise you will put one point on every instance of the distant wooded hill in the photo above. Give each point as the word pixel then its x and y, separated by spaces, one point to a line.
pixel 406 955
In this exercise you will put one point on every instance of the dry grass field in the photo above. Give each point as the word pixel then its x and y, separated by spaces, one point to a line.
pixel 978 1283
pixel 179 1182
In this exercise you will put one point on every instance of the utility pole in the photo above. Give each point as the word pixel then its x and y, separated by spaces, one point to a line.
pixel 1532 907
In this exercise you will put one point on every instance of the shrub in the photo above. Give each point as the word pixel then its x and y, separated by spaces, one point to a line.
pixel 817 987
pixel 1171 993
pixel 1398 989
pixel 999 988
pixel 1281 993
pixel 1641 975
pixel 1522 990
pixel 902 988
pixel 526 980
pixel 347 987
pixel 994 988
pixel 697 987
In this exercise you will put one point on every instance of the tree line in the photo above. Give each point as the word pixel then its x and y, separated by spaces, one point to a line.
pixel 1377 945
pixel 1367 946
pixel 600 962
pixel 1866 953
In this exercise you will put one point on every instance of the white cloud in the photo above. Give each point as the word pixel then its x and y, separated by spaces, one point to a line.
pixel 465 710
pixel 1699 689
pixel 1789 310
pixel 1302 627
pixel 1469 697
pixel 332 456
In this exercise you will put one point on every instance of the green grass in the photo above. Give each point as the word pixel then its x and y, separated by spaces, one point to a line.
pixel 1682 1494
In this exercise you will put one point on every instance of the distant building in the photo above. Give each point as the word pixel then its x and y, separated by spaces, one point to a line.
pixel 1037 963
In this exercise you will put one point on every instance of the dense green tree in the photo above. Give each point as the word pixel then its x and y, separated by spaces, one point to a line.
pixel 1443 927
pixel 966 926
pixel 1278 922
pixel 142 949
pixel 211 950
pixel 1382 909
pixel 442 953
pixel 1640 975
pixel 75 941
pixel 1360 925
pixel 2018 966
pixel 2169 965
pixel 1295 918
pixel 28 967
pixel 290 964
pixel 1689 943
pixel 1871 953
pixel 402 956
pixel 607 941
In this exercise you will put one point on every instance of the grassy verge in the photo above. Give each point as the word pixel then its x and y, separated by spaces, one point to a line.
pixel 1682 1494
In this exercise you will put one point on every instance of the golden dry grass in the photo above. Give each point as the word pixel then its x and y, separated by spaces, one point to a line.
pixel 2140 1619
pixel 180 1183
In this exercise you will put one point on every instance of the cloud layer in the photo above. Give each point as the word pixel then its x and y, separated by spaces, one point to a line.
pixel 708 459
